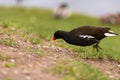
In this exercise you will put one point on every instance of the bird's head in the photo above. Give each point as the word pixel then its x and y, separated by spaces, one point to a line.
pixel 58 34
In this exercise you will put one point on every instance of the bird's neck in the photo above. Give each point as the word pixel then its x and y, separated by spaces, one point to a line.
pixel 66 36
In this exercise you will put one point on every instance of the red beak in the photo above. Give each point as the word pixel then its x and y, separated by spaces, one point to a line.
pixel 53 40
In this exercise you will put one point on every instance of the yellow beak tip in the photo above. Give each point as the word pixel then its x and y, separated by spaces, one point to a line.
pixel 52 41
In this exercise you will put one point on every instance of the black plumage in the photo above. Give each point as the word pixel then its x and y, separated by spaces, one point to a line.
pixel 84 36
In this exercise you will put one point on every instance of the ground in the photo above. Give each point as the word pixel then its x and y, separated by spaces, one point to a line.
pixel 18 60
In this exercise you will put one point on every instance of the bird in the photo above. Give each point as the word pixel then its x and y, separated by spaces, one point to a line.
pixel 62 12
pixel 84 36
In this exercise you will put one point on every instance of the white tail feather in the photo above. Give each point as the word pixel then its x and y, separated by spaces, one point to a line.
pixel 110 34
pixel 111 31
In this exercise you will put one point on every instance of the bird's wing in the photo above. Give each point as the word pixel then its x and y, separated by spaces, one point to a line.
pixel 88 30
pixel 88 38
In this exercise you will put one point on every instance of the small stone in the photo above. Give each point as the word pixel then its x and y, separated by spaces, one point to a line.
pixel 20 53
pixel 26 72
pixel 4 72
pixel 28 78
pixel 118 66
pixel 12 28
pixel 39 46
pixel 16 72
pixel 12 60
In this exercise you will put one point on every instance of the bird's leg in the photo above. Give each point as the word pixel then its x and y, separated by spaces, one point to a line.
pixel 97 46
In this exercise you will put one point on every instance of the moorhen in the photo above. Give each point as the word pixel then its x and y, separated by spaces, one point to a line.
pixel 85 36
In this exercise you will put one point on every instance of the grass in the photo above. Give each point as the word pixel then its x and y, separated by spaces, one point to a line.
pixel 9 64
pixel 36 51
pixel 74 70
pixel 8 78
pixel 8 42
pixel 32 37
pixel 5 24
pixel 41 22
pixel 4 57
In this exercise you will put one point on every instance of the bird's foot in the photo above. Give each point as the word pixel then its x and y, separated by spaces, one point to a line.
pixel 98 48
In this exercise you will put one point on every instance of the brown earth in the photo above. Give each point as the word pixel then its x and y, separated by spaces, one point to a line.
pixel 31 66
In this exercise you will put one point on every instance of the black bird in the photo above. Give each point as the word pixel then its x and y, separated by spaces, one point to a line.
pixel 84 36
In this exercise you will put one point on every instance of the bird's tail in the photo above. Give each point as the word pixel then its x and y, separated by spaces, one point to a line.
pixel 110 33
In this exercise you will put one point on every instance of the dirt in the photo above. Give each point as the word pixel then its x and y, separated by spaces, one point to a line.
pixel 30 66
pixel 107 66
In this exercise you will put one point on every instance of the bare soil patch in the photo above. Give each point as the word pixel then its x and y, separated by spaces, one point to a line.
pixel 108 67
pixel 27 64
